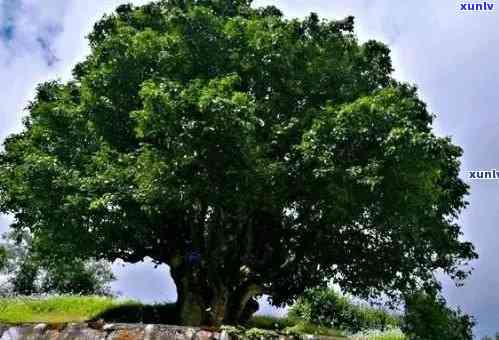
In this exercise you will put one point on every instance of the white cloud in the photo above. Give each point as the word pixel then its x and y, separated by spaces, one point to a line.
pixel 64 25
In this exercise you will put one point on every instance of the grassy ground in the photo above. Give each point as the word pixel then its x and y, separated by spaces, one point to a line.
pixel 79 309
pixel 288 325
pixel 56 309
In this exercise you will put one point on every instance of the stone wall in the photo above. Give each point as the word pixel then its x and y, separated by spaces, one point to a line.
pixel 101 331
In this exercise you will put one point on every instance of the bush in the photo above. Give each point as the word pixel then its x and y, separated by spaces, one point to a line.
pixel 427 317
pixel 326 307
pixel 269 322
pixel 304 327
pixel 391 334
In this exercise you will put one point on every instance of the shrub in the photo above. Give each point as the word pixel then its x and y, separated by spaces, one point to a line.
pixel 391 334
pixel 269 322
pixel 326 307
pixel 304 327
pixel 428 317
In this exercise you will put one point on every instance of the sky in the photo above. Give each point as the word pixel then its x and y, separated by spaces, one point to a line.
pixel 452 56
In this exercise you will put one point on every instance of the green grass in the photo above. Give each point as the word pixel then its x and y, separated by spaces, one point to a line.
pixel 62 309
pixel 291 325
pixel 295 326
pixel 309 328
pixel 270 322
pixel 55 309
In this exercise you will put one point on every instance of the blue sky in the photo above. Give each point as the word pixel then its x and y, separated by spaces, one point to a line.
pixel 452 56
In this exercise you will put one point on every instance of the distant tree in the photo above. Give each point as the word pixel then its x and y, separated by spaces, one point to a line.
pixel 251 153
pixel 78 277
pixel 428 317
pixel 3 257
pixel 3 264
pixel 28 273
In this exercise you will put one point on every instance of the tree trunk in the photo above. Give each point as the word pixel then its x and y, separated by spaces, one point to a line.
pixel 242 304
pixel 202 303
pixel 190 305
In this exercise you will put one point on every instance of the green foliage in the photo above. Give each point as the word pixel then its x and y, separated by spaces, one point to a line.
pixel 263 324
pixel 270 322
pixel 24 280
pixel 428 317
pixel 257 333
pixel 30 274
pixel 3 257
pixel 3 265
pixel 249 152
pixel 303 327
pixel 78 277
pixel 326 307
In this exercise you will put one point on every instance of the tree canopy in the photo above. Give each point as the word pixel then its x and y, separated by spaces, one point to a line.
pixel 252 153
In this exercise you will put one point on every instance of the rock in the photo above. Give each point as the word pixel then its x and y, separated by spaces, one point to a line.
pixel 149 332
pixel 40 328
pixel 204 335
pixel 79 332
pixel 128 334
pixel 225 336
pixel 108 327
pixel 99 324
pixel 164 332
pixel 20 332
pixel 82 331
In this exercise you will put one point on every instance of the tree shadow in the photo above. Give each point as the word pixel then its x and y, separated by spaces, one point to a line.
pixel 137 313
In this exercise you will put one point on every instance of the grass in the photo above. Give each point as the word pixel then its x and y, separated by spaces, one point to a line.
pixel 55 309
pixel 291 325
pixel 63 309
pixel 270 322
pixel 309 328
pixel 294 326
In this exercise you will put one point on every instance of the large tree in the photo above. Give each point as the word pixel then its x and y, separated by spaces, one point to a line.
pixel 251 153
